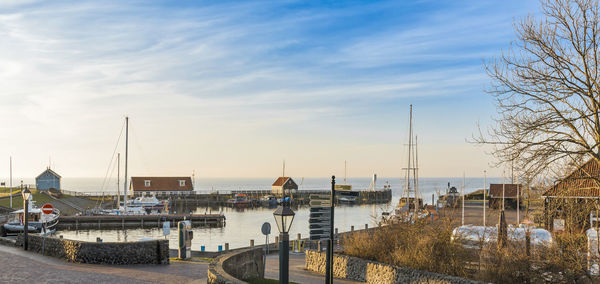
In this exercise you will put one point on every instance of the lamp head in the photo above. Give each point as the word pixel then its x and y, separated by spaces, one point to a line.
pixel 26 194
pixel 284 216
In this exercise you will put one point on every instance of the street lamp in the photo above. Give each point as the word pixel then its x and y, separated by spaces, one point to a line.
pixel 26 194
pixel 284 216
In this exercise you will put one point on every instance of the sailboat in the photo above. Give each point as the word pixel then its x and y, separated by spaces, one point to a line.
pixel 344 191
pixel 133 207
pixel 411 204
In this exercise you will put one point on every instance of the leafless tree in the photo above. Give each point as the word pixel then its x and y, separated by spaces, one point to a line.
pixel 546 88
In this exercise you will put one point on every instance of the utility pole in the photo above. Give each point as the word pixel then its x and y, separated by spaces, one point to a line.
pixel 484 190
pixel 329 260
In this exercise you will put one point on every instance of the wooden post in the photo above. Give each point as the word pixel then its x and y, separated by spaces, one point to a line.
pixel 366 226
pixel 226 246
pixel 251 243
pixel 351 228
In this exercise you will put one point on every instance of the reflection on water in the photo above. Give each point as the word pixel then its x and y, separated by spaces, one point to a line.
pixel 242 225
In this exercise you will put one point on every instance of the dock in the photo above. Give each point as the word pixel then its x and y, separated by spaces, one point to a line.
pixel 219 198
pixel 138 221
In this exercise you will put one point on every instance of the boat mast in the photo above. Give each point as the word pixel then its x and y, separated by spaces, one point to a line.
pixel 345 172
pixel 409 152
pixel 11 182
pixel 126 150
pixel 118 179
pixel 416 176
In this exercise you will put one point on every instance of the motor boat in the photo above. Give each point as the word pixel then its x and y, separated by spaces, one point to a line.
pixel 38 221
pixel 268 201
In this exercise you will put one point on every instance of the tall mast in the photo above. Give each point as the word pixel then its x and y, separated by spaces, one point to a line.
pixel 118 179
pixel 416 175
pixel 345 172
pixel 10 182
pixel 409 150
pixel 126 150
pixel 484 190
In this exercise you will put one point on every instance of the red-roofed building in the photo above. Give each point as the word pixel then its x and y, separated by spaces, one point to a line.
pixel 161 185
pixel 284 186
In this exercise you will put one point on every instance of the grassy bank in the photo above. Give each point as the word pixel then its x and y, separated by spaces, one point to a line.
pixel 38 197
pixel 428 246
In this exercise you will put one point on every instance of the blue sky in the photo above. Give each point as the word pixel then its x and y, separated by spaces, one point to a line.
pixel 232 88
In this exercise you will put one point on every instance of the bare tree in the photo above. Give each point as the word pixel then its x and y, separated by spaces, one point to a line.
pixel 546 88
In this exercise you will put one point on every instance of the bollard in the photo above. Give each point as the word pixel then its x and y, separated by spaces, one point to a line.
pixel 98 240
pixel 226 246
pixel 220 248
pixel 202 248
pixel 336 231
pixel 60 237
pixel 366 226
pixel 251 243
pixel 351 228
pixel 299 236
pixel 277 239
pixel 318 245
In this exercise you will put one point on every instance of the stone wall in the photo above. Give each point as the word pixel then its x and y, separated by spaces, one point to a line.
pixel 142 252
pixel 347 267
pixel 237 266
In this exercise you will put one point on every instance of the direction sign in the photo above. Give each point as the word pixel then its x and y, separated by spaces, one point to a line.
pixel 319 210
pixel 320 197
pixel 324 226
pixel 318 237
pixel 320 215
pixel 47 208
pixel 320 203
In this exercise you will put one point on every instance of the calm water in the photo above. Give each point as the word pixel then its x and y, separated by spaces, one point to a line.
pixel 244 224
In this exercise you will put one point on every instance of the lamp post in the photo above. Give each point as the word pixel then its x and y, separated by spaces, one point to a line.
pixel 26 194
pixel 284 216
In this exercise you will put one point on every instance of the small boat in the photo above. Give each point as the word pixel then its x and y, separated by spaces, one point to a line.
pixel 347 199
pixel 239 200
pixel 150 203
pixel 38 221
pixel 268 201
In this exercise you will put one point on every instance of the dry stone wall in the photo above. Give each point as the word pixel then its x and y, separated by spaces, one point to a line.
pixel 142 252
pixel 353 268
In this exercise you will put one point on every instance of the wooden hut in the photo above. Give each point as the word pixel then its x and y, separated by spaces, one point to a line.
pixel 284 186
pixel 47 179
pixel 571 199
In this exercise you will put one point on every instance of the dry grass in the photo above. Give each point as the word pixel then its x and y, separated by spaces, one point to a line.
pixel 428 246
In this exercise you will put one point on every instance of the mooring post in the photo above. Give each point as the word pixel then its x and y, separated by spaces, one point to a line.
pixel 299 236
pixel 366 226
pixel 226 246
pixel 251 243
pixel 351 228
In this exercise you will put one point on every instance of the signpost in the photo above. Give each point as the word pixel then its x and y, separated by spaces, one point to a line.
pixel 266 230
pixel 47 208
pixel 320 217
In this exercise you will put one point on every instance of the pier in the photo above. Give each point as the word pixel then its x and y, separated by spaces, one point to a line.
pixel 137 221
pixel 219 198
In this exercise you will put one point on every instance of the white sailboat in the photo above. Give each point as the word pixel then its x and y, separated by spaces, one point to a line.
pixel 411 203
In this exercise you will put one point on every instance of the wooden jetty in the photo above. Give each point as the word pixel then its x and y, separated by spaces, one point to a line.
pixel 137 221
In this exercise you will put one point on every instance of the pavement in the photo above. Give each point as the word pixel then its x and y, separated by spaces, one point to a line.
pixel 27 267
pixel 297 272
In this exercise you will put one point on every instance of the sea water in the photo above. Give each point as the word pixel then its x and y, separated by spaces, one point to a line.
pixel 244 224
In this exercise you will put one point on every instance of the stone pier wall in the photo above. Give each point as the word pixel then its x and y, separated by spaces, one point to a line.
pixel 142 252
pixel 237 266
pixel 353 268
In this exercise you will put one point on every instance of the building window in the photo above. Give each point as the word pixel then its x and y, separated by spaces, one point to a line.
pixel 147 183
pixel 182 182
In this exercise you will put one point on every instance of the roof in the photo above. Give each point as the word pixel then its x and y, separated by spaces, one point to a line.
pixel 510 190
pixel 283 180
pixel 161 184
pixel 280 181
pixel 582 182
pixel 48 170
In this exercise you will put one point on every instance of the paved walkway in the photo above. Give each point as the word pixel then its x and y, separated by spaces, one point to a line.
pixel 297 272
pixel 24 267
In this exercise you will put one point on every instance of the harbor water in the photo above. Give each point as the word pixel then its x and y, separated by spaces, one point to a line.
pixel 244 224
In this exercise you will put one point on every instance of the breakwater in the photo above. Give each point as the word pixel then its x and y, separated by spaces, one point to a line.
pixel 138 221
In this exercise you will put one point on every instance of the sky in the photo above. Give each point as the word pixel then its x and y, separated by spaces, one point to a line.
pixel 233 88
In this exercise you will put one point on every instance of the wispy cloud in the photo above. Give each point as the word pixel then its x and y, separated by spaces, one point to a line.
pixel 67 67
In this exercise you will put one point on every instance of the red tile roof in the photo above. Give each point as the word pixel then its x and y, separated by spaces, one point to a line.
pixel 582 182
pixel 283 180
pixel 510 190
pixel 161 184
